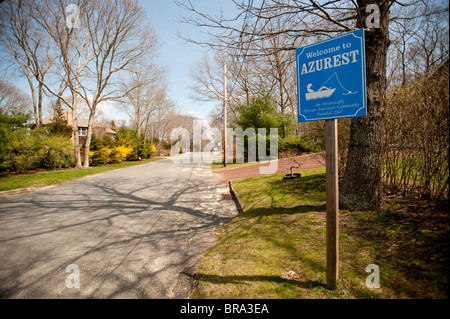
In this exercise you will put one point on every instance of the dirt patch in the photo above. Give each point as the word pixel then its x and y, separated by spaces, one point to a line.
pixel 227 196
pixel 293 273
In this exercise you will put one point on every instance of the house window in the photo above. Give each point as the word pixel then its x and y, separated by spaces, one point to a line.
pixel 82 131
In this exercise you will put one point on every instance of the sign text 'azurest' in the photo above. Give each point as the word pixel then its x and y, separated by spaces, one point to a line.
pixel 329 62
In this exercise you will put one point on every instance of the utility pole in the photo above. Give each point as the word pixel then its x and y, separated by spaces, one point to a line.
pixel 224 115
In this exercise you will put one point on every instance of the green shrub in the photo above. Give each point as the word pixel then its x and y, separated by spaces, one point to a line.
pixel 9 124
pixel 301 143
pixel 25 152
pixel 58 125
pixel 56 150
pixel 262 113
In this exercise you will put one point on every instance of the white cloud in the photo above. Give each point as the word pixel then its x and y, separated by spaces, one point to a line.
pixel 111 111
pixel 193 113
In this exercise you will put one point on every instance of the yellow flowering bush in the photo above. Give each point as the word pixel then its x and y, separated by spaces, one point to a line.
pixel 91 155
pixel 101 156
pixel 121 152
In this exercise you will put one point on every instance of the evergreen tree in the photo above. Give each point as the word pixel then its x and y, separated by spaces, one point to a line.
pixel 58 125
pixel 262 113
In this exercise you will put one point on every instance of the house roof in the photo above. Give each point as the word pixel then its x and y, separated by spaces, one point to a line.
pixel 80 121
pixel 83 122
pixel 47 120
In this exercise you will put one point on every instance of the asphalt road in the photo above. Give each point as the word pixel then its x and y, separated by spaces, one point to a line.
pixel 137 232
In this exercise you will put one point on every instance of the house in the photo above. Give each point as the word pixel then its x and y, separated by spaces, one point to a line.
pixel 100 128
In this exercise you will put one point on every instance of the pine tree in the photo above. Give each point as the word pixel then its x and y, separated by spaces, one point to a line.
pixel 58 125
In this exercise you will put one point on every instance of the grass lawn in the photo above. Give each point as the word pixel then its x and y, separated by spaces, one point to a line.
pixel 51 177
pixel 276 247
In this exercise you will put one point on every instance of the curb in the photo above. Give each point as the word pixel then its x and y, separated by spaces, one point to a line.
pixel 235 197
pixel 19 191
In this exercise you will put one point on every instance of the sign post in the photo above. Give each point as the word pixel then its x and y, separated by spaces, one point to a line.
pixel 331 84
pixel 332 188
pixel 224 115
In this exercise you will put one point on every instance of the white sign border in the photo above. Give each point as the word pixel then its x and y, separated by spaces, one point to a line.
pixel 363 72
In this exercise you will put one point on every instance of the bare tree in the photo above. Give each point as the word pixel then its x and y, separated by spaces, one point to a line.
pixel 74 56
pixel 277 63
pixel 158 124
pixel 13 100
pixel 430 44
pixel 28 46
pixel 145 93
pixel 207 83
pixel 399 70
pixel 362 184
pixel 118 38
pixel 184 121
pixel 419 37
pixel 110 37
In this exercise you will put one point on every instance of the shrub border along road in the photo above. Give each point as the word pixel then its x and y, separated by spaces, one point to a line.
pixel 26 183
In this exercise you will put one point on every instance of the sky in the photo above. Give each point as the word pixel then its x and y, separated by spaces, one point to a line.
pixel 175 55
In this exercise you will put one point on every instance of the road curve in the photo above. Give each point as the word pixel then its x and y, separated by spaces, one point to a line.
pixel 131 233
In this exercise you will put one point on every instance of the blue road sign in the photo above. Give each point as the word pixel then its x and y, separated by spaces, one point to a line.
pixel 331 78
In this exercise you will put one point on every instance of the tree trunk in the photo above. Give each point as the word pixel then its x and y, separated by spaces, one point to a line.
pixel 138 123
pixel 362 183
pixel 87 144
pixel 33 100
pixel 39 105
pixel 76 144
pixel 76 138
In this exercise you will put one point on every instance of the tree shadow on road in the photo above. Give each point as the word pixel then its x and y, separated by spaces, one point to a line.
pixel 104 227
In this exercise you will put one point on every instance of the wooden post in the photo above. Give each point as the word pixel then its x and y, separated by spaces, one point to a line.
pixel 224 115
pixel 332 188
